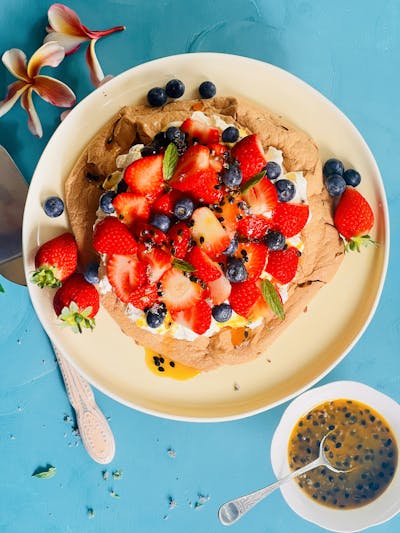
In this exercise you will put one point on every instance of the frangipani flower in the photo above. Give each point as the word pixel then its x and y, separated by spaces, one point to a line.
pixel 53 91
pixel 66 28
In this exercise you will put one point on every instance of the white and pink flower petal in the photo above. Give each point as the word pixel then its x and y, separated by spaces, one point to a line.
pixel 54 91
pixel 63 19
pixel 95 70
pixel 15 61
pixel 34 124
pixel 49 54
pixel 70 43
pixel 14 92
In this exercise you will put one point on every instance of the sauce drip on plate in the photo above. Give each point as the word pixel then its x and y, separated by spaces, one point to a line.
pixel 359 440
pixel 165 367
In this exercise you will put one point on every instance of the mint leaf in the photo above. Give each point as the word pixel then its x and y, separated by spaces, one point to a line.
pixel 170 161
pixel 45 473
pixel 180 264
pixel 118 474
pixel 272 298
pixel 2 288
pixel 253 181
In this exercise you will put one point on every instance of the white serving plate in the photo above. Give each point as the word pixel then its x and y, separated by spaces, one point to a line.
pixel 309 348
pixel 378 511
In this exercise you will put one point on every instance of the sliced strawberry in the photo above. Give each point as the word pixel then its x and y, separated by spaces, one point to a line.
pixel 243 296
pixel 206 269
pixel 200 131
pixel 229 211
pixel 112 237
pixel 131 207
pixel 145 176
pixel 253 226
pixel 194 159
pixel 178 291
pixel 282 265
pixel 254 256
pixel 220 290
pixel 149 235
pixel 250 154
pixel 203 185
pixel 179 237
pixel 159 261
pixel 193 174
pixel 208 232
pixel 290 219
pixel 125 273
pixel 166 202
pixel 218 155
pixel 259 309
pixel 144 296
pixel 262 198
pixel 196 318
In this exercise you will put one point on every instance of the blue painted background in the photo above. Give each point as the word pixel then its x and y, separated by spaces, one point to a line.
pixel 350 51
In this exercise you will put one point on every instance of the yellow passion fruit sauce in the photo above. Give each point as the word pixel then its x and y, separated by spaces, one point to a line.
pixel 165 367
pixel 359 440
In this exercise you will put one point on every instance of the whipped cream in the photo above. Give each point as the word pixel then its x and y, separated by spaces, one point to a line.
pixel 133 155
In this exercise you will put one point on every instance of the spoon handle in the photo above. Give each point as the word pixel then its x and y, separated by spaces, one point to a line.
pixel 232 511
pixel 93 427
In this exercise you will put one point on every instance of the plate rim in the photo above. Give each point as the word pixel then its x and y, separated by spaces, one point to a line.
pixel 386 248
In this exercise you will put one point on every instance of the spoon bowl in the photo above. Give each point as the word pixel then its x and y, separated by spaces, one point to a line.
pixel 232 511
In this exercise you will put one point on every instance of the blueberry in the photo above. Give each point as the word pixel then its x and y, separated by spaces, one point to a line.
pixel 286 190
pixel 105 202
pixel 176 136
pixel 149 149
pixel 122 186
pixel 207 89
pixel 155 316
pixel 233 246
pixel 175 88
pixel 183 209
pixel 91 273
pixel 232 176
pixel 53 206
pixel 335 185
pixel 222 312
pixel 235 270
pixel 160 139
pixel 157 97
pixel 352 177
pixel 275 240
pixel 333 166
pixel 161 222
pixel 273 170
pixel 230 134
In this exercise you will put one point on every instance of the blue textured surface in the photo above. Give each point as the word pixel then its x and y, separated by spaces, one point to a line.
pixel 347 50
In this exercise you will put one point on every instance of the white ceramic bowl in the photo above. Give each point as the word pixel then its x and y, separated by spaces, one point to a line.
pixel 116 365
pixel 380 510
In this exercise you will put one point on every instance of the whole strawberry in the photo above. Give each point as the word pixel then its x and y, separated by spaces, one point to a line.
pixel 353 219
pixel 76 303
pixel 55 261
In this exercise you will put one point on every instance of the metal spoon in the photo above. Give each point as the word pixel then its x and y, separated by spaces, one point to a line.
pixel 232 511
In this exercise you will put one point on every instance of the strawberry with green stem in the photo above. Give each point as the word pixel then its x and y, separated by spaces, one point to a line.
pixel 76 303
pixel 353 219
pixel 55 261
